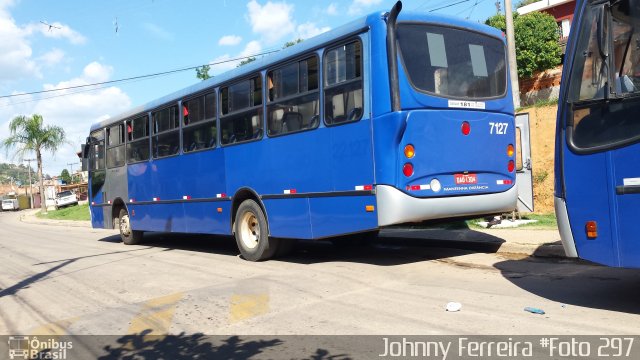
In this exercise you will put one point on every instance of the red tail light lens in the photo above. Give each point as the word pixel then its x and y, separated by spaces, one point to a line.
pixel 466 128
pixel 407 169
pixel 511 166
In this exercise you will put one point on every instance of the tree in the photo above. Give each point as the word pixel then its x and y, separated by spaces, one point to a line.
pixel 203 72
pixel 291 43
pixel 536 37
pixel 29 135
pixel 65 176
pixel 247 60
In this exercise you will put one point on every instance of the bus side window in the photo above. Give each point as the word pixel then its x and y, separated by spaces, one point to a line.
pixel 166 132
pixel 241 111
pixel 343 99
pixel 199 132
pixel 138 144
pixel 115 146
pixel 293 97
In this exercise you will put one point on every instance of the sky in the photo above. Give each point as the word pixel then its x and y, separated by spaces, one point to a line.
pixel 48 45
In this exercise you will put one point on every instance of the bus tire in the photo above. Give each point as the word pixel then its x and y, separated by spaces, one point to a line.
pixel 251 233
pixel 128 236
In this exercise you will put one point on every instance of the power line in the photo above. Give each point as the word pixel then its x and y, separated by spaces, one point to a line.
pixel 450 5
pixel 136 77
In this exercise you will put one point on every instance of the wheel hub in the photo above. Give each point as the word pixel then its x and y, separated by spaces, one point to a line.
pixel 125 228
pixel 249 230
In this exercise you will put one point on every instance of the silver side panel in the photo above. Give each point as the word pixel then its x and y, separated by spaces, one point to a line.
pixel 396 207
pixel 566 235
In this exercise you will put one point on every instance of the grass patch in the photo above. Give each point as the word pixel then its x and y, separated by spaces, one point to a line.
pixel 539 103
pixel 544 222
pixel 76 213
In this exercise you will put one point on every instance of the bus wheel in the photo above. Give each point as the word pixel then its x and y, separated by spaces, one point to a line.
pixel 251 233
pixel 129 237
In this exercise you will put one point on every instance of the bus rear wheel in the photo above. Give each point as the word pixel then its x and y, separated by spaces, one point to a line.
pixel 128 236
pixel 251 233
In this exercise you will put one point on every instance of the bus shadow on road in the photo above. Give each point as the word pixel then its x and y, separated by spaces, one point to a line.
pixel 576 283
pixel 383 251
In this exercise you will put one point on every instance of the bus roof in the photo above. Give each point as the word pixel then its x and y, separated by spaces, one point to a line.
pixel 353 27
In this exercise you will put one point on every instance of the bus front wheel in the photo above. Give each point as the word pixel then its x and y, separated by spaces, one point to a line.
pixel 251 233
pixel 128 236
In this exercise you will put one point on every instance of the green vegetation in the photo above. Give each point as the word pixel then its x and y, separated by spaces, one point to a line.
pixel 536 36
pixel 202 72
pixel 65 176
pixel 76 213
pixel 10 173
pixel 29 136
pixel 544 222
pixel 539 103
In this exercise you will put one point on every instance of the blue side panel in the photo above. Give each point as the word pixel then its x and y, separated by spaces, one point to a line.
pixel 158 217
pixel 204 218
pixel 246 166
pixel 198 175
pixel 351 154
pixel 588 199
pixel 297 161
pixel 97 216
pixel 202 174
pixel 625 162
pixel 289 218
pixel 341 215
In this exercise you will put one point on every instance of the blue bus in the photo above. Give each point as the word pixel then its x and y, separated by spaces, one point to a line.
pixel 597 158
pixel 386 120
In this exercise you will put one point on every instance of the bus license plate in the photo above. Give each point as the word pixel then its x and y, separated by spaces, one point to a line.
pixel 463 179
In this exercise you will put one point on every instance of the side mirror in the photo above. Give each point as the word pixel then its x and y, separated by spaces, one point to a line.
pixel 603 30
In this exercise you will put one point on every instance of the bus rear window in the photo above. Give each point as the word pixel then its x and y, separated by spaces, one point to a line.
pixel 453 63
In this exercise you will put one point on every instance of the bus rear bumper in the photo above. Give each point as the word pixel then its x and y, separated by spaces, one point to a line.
pixel 396 207
pixel 562 216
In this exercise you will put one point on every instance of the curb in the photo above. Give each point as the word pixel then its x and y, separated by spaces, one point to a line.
pixel 30 218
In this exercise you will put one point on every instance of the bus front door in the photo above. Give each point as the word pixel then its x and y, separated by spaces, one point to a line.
pixel 523 164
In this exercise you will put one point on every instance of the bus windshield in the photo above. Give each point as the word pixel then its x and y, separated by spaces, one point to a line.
pixel 599 125
pixel 453 63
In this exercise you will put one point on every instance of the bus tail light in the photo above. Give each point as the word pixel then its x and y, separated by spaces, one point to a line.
pixel 592 229
pixel 510 150
pixel 466 128
pixel 407 169
pixel 370 208
pixel 511 166
pixel 409 151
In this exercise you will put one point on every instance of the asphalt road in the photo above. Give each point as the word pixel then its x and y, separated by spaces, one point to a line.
pixel 64 280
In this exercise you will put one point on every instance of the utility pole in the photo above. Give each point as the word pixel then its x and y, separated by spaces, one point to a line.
pixel 30 187
pixel 71 165
pixel 511 50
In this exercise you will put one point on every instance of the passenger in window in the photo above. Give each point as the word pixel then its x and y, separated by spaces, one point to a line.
pixel 270 86
pixel 185 113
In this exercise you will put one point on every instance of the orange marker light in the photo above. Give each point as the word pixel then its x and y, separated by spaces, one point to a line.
pixel 370 208
pixel 219 210
pixel 510 150
pixel 409 151
pixel 592 229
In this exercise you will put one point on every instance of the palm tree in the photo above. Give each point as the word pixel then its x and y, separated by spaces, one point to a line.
pixel 29 135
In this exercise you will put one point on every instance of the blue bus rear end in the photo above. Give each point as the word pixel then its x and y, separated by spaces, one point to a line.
pixel 311 143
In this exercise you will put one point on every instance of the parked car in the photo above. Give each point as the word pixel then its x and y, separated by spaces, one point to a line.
pixel 10 204
pixel 66 198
